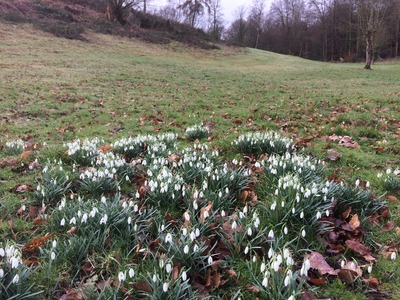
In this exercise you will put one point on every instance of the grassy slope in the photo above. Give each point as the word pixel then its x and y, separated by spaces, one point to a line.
pixel 56 90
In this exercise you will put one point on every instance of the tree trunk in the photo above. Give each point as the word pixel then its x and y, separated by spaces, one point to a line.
pixel 369 51
pixel 397 35
pixel 144 6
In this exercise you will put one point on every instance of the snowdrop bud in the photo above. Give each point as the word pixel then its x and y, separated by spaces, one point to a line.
pixel 254 259
pixel 168 268
pixel 369 269
pixel 129 220
pixel 53 256
pixel 131 273
pixel 184 231
pixel 327 213
pixel 263 267
pixel 303 233
pixel 54 244
pixel 342 263
pixel 161 263
pixel 287 281
pixel 197 231
pixel 1 273
pixel 186 249
pixel 368 184
pixel 246 250
pixel 2 253
pixel 154 278
pixel 222 213
pixel 210 260
pixel 393 256
pixel 388 171
pixel 62 223
pixel 270 253
pixel 302 215
pixel 285 230
pixel 165 287
pixel 357 182
pixel 184 276
pixel 249 231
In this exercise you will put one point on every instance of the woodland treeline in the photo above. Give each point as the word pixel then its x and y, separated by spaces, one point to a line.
pixel 326 30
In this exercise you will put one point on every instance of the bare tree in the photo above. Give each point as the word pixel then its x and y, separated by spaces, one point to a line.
pixel 216 26
pixel 371 14
pixel 194 8
pixel 255 22
pixel 319 9
pixel 119 9
pixel 236 33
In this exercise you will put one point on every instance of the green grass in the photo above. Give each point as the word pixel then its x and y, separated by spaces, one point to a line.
pixel 56 90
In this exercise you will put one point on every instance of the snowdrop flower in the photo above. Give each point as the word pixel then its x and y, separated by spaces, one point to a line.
pixel 2 253
pixel 129 220
pixel 210 260
pixel 186 249
pixel 246 250
pixel 222 213
pixel 103 200
pixel 104 219
pixel 73 221
pixel 121 276
pixel 291 298
pixel 285 230
pixel 165 287
pixel 369 269
pixel 234 225
pixel 319 216
pixel 379 175
pixel 270 253
pixel 1 273
pixel 357 182
pixel 154 278
pixel 393 256
pixel 15 279
pixel 368 184
pixel 265 282
pixel 84 218
pixel 15 261
pixel 271 234
pixel 168 238
pixel 197 232
pixel 131 273
pixel 303 233
pixel 53 255
pixel 388 171
pixel 302 215
pixel 62 223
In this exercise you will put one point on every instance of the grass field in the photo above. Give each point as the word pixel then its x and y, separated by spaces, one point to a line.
pixel 53 91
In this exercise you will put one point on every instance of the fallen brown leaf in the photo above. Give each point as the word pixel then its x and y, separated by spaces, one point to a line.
pixel 388 226
pixel 354 222
pixel 318 262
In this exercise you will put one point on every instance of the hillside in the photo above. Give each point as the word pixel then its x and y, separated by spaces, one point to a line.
pixel 72 18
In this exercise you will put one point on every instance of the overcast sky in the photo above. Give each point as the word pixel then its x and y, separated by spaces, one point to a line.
pixel 229 7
